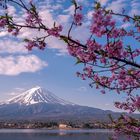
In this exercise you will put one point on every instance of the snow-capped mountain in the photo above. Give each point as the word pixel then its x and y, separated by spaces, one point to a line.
pixel 40 104
pixel 37 95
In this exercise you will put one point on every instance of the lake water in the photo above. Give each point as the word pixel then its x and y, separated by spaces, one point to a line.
pixel 42 134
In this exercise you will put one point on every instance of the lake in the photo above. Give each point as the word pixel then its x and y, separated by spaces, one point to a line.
pixel 43 134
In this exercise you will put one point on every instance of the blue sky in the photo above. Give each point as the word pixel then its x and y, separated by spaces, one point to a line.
pixel 53 68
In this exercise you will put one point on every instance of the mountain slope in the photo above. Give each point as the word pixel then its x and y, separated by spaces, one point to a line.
pixel 42 111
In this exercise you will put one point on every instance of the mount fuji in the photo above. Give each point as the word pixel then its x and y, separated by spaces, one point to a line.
pixel 40 104
pixel 37 95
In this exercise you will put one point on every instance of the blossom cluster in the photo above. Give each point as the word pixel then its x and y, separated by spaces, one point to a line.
pixel 132 127
pixel 3 22
pixel 34 43
pixel 132 104
pixel 120 78
pixel 101 23
pixel 78 17
pixel 55 31
pixel 32 19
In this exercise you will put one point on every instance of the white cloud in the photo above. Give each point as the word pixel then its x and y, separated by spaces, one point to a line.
pixel 15 65
pixel 63 18
pixel 10 46
pixel 54 43
pixel 3 33
pixel 70 10
pixel 47 17
pixel 11 10
pixel 81 29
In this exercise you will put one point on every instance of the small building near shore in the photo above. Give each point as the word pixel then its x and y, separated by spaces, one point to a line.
pixel 62 126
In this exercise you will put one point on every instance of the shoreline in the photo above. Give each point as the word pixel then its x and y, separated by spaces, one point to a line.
pixel 53 129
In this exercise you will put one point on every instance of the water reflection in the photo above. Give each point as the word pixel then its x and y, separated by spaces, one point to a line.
pixel 42 134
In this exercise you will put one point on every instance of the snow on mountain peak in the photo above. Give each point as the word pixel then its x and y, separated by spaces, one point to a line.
pixel 38 95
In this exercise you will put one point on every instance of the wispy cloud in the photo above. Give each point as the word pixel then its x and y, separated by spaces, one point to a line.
pixel 69 10
pixel 16 91
pixel 13 93
pixel 82 89
pixel 103 2
pixel 19 89
pixel 135 7
pixel 118 5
